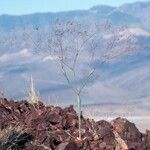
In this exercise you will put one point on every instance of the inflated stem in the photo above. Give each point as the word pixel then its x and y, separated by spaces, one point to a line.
pixel 79 114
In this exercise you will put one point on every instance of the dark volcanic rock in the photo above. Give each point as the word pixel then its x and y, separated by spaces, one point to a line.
pixel 54 118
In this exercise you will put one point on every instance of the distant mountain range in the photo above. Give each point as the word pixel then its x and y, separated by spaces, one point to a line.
pixel 134 14
pixel 126 80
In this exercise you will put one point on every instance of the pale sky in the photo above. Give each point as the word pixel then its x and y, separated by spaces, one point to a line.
pixel 19 7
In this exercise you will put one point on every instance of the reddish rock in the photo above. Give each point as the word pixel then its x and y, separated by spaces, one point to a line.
pixel 71 146
pixel 62 146
pixel 57 129
pixel 54 118
pixel 126 129
pixel 128 132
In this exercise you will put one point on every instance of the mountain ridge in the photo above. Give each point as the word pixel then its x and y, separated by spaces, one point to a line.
pixel 48 17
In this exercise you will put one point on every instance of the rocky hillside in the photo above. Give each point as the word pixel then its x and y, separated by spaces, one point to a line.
pixel 40 127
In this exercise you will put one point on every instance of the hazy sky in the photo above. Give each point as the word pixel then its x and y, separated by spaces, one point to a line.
pixel 30 6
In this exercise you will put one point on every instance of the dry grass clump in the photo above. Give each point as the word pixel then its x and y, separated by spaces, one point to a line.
pixel 14 138
pixel 33 97
pixel 1 96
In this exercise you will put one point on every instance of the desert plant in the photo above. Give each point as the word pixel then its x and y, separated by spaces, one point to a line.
pixel 33 98
pixel 71 43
